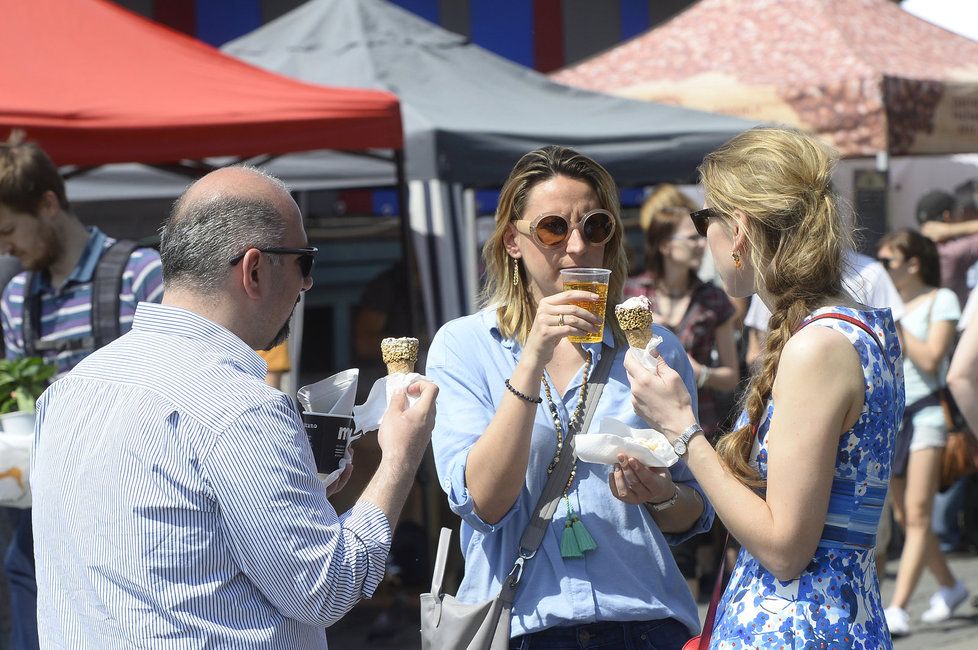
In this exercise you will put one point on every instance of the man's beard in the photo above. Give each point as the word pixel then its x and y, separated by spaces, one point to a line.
pixel 51 250
pixel 281 336
pixel 283 333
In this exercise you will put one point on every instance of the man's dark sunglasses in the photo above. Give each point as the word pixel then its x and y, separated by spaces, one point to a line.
pixel 701 219
pixel 307 257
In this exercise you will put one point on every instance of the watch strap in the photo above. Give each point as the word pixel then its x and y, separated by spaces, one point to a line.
pixel 686 436
pixel 668 503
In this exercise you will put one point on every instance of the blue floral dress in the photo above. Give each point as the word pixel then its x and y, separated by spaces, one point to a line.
pixel 835 602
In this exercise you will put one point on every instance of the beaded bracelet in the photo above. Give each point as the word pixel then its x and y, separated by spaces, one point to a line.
pixel 522 396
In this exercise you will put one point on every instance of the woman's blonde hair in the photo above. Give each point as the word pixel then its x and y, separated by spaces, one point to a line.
pixel 665 195
pixel 780 180
pixel 515 308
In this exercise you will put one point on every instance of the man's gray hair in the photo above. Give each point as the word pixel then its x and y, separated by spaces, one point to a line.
pixel 199 239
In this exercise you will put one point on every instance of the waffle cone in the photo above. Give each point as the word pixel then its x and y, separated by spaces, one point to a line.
pixel 401 365
pixel 639 338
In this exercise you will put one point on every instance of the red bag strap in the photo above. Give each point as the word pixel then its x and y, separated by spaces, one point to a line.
pixel 852 321
pixel 711 613
pixel 849 319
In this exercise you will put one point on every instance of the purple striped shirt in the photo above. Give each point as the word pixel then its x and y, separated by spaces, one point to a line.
pixel 66 311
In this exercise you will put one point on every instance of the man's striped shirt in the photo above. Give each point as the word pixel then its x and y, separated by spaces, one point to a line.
pixel 66 311
pixel 176 503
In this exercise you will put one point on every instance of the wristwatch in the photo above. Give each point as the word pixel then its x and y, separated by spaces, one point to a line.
pixel 680 446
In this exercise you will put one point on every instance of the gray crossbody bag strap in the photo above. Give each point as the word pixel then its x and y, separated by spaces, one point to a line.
pixel 554 489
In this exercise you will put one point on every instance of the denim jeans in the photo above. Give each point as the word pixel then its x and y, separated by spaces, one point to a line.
pixel 947 506
pixel 664 634
pixel 18 564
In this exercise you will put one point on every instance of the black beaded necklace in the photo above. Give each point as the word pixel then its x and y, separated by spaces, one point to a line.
pixel 575 540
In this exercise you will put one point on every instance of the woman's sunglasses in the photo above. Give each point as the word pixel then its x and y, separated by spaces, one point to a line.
pixel 549 230
pixel 701 219
pixel 307 257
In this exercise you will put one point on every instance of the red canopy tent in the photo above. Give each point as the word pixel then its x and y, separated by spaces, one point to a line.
pixel 94 84
pixel 864 74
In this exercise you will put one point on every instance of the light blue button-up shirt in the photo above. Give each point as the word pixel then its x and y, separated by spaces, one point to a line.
pixel 631 576
pixel 176 503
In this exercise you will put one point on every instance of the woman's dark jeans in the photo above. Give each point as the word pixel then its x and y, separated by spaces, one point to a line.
pixel 664 634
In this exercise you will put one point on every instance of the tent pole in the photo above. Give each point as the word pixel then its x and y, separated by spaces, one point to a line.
pixel 407 243
pixel 427 478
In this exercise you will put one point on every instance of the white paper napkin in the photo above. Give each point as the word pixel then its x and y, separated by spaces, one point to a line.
pixel 329 479
pixel 336 395
pixel 367 416
pixel 616 437
pixel 645 356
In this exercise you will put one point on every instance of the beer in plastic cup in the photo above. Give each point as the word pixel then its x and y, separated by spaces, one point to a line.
pixel 595 281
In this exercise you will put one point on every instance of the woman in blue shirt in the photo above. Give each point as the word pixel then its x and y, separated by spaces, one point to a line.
pixel 508 375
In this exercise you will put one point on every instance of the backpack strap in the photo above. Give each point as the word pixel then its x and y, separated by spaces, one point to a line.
pixel 31 326
pixel 106 288
pixel 106 307
pixel 31 314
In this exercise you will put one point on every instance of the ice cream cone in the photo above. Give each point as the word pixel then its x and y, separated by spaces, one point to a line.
pixel 400 354
pixel 635 318
pixel 638 338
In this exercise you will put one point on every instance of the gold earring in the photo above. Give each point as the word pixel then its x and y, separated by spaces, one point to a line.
pixel 736 258
pixel 516 272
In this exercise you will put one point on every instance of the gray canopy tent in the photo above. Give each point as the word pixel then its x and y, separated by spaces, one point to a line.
pixel 468 117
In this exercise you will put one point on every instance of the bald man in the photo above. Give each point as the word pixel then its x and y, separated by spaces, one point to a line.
pixel 176 503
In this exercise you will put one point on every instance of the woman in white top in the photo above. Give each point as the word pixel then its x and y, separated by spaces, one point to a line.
pixel 962 376
pixel 928 331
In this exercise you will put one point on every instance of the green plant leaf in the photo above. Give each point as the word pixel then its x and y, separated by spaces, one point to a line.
pixel 22 381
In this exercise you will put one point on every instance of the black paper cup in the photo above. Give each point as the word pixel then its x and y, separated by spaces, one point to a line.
pixel 329 436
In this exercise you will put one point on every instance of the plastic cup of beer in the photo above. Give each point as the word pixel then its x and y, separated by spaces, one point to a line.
pixel 595 281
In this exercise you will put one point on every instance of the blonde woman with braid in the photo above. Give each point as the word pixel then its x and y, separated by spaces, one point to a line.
pixel 512 384
pixel 801 481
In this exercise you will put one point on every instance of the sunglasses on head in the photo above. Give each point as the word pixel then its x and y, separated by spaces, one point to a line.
pixel 549 230
pixel 307 257
pixel 701 219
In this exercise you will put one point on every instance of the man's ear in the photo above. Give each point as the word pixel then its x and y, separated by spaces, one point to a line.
pixel 48 207
pixel 248 273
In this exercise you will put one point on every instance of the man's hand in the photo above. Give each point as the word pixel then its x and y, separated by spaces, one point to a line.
pixel 340 483
pixel 405 431
pixel 403 437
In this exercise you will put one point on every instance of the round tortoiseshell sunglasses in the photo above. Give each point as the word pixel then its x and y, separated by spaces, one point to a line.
pixel 549 230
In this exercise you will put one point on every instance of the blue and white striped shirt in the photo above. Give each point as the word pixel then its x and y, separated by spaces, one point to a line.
pixel 176 503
